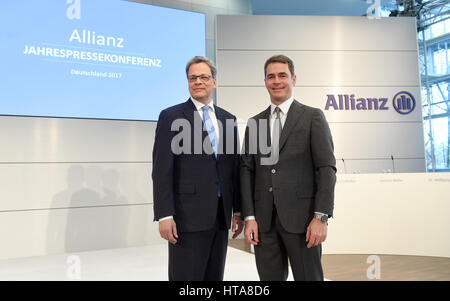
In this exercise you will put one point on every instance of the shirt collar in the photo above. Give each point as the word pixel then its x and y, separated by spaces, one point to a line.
pixel 198 105
pixel 284 107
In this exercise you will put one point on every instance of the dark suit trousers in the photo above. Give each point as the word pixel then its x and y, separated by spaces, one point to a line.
pixel 277 246
pixel 200 256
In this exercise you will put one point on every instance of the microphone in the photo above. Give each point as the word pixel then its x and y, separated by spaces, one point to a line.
pixel 345 167
pixel 393 166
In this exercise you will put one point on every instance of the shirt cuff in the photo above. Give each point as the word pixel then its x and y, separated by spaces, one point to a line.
pixel 164 218
pixel 249 218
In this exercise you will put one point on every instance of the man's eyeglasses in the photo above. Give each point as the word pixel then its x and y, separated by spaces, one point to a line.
pixel 203 78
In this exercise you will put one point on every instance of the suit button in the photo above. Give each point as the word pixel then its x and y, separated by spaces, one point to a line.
pixel 270 189
pixel 274 171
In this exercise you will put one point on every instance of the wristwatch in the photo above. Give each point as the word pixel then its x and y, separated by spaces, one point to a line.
pixel 321 217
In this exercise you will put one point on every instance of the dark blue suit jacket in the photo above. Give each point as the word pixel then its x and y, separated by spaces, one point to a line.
pixel 185 182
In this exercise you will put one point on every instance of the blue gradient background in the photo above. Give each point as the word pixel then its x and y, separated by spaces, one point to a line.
pixel 43 86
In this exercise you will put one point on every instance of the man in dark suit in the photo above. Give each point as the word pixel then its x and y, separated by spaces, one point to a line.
pixel 288 196
pixel 196 179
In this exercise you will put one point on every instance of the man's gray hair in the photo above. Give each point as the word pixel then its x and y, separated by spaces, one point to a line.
pixel 202 59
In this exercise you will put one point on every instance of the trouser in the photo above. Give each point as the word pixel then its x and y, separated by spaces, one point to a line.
pixel 200 255
pixel 277 246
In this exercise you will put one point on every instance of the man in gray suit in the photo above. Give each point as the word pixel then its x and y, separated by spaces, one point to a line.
pixel 288 196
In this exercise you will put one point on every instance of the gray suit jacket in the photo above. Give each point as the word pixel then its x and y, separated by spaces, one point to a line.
pixel 301 182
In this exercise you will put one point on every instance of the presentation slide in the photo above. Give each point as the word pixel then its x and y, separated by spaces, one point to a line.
pixel 108 59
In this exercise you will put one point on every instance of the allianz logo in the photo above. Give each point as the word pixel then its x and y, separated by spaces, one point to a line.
pixel 403 102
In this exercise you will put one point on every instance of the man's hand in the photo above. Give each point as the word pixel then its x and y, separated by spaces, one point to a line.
pixel 237 222
pixel 251 232
pixel 316 233
pixel 168 230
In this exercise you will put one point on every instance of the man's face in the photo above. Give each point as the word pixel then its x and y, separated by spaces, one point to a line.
pixel 201 83
pixel 279 82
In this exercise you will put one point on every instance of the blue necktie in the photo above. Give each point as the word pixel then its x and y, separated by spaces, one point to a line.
pixel 209 126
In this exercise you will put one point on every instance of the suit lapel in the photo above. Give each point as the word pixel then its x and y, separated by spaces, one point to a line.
pixel 266 118
pixel 191 114
pixel 189 111
pixel 294 114
pixel 222 132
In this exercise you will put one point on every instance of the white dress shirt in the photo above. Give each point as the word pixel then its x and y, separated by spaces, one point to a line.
pixel 284 109
pixel 212 113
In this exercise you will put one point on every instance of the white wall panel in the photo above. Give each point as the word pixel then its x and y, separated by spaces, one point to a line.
pixel 74 185
pixel 377 140
pixel 410 165
pixel 332 56
pixel 74 140
pixel 388 165
pixel 359 145
pixel 323 68
pixel 74 230
pixel 246 102
pixel 390 214
pixel 362 152
pixel 314 33
pixel 369 157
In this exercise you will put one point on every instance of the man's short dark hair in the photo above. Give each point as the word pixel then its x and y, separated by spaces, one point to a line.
pixel 202 59
pixel 280 59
